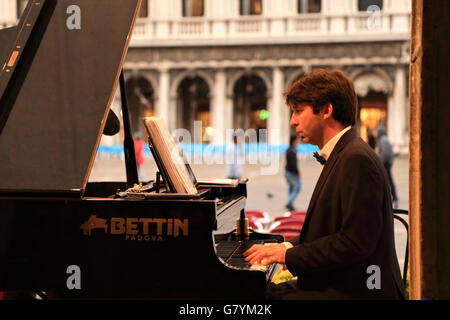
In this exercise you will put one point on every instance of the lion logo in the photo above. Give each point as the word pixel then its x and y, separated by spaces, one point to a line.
pixel 94 223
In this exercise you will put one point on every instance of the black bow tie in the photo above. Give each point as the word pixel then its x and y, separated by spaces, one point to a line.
pixel 319 158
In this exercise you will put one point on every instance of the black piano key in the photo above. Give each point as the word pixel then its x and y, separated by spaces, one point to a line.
pixel 226 248
pixel 248 244
pixel 238 262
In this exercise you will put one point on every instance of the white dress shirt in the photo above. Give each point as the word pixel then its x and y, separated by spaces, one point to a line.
pixel 329 146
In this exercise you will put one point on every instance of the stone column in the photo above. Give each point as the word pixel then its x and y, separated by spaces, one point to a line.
pixel 165 10
pixel 219 13
pixel 286 119
pixel 8 12
pixel 3 11
pixel 219 106
pixel 174 111
pixel 162 105
pixel 338 21
pixel 397 116
pixel 229 113
pixel 275 122
pixel 276 9
pixel 326 4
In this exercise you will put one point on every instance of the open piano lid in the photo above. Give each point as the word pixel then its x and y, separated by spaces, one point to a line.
pixel 56 94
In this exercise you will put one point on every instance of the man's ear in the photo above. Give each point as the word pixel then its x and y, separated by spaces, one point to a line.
pixel 327 111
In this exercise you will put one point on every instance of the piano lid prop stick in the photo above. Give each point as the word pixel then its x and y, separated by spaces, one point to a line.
pixel 128 143
pixel 158 181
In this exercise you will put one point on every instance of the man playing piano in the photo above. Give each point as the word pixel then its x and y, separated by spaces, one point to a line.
pixel 346 247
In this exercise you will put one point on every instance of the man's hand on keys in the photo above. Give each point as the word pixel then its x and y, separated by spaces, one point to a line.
pixel 266 254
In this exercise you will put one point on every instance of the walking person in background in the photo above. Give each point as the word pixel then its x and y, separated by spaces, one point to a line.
pixel 234 159
pixel 292 173
pixel 386 154
pixel 139 145
pixel 371 139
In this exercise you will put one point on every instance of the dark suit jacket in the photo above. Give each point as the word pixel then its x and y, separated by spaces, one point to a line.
pixel 348 227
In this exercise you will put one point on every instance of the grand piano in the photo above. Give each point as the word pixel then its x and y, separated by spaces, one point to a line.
pixel 64 237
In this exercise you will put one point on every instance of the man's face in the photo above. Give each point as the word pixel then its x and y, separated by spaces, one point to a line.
pixel 308 125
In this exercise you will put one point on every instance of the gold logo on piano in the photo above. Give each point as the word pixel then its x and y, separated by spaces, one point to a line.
pixel 94 223
pixel 139 229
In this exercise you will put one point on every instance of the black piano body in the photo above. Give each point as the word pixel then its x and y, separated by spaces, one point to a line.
pixel 125 248
pixel 76 239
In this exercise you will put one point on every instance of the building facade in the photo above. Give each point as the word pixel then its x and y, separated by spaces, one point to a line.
pixel 227 63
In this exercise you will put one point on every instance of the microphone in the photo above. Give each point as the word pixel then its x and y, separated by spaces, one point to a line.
pixel 112 125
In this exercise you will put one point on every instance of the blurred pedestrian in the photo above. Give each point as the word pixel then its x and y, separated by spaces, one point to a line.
pixel 234 159
pixel 386 154
pixel 292 173
pixel 371 139
pixel 139 145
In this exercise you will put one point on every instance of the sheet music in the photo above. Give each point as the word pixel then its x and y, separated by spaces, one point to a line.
pixel 169 155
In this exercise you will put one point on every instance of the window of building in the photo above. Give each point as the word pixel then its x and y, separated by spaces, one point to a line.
pixel 309 6
pixel 364 4
pixel 143 12
pixel 250 7
pixel 193 8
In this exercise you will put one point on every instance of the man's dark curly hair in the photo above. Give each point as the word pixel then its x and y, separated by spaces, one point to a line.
pixel 322 87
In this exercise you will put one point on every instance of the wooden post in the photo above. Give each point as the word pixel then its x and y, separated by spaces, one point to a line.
pixel 429 156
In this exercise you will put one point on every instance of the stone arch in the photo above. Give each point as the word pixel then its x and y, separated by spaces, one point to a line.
pixel 144 74
pixel 191 73
pixel 373 87
pixel 141 98
pixel 237 75
pixel 294 76
pixel 191 101
pixel 375 79
pixel 250 102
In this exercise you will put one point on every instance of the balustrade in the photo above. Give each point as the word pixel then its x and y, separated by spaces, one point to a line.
pixel 303 25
